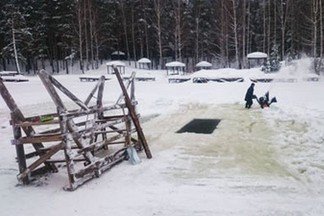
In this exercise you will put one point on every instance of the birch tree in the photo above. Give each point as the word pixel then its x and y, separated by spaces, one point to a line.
pixel 235 30
pixel 158 28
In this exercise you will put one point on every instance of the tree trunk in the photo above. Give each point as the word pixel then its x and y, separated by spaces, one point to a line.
pixel 122 7
pixel 315 13
pixel 235 29
pixel 321 30
pixel 223 37
pixel 91 33
pixel 4 65
pixel 244 34
pixel 86 33
pixel 264 27
pixel 15 47
pixel 80 36
pixel 197 40
pixel 275 22
pixel 157 5
pixel 133 36
pixel 269 27
pixel 179 30
pixel 282 20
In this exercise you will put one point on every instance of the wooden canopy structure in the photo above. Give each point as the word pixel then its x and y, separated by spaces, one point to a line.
pixel 256 59
pixel 175 68
pixel 144 63
pixel 89 140
pixel 204 65
pixel 115 64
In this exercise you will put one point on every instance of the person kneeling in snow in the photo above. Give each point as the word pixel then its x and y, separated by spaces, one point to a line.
pixel 264 100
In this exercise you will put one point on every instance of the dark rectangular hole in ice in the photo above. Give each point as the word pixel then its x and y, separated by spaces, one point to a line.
pixel 202 126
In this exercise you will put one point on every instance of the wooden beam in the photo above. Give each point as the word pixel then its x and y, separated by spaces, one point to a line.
pixel 109 160
pixel 19 150
pixel 64 90
pixel 41 160
pixel 133 115
pixel 131 79
pixel 87 101
pixel 37 139
pixel 28 123
pixel 68 149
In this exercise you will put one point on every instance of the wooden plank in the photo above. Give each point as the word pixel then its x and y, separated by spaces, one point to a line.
pixel 109 160
pixel 32 118
pixel 41 160
pixel 100 144
pixel 38 139
pixel 28 123
pixel 133 115
pixel 93 110
pixel 64 160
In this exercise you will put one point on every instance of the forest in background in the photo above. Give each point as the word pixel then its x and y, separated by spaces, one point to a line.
pixel 85 32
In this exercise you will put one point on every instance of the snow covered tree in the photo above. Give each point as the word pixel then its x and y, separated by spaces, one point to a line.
pixel 17 34
pixel 273 63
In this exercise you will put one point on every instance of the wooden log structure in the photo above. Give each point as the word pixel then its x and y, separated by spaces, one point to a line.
pixel 92 138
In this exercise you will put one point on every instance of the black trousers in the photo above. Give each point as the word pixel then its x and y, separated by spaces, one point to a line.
pixel 248 104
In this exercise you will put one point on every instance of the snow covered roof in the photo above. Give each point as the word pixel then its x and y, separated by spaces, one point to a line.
pixel 204 64
pixel 118 53
pixel 257 55
pixel 144 60
pixel 175 64
pixel 116 63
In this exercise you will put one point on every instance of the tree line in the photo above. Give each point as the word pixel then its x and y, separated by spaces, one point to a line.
pixel 84 32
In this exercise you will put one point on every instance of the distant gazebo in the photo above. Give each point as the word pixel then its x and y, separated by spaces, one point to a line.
pixel 120 66
pixel 204 65
pixel 144 63
pixel 257 59
pixel 175 68
pixel 118 55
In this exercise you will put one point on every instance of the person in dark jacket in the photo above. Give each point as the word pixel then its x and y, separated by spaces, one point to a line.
pixel 249 96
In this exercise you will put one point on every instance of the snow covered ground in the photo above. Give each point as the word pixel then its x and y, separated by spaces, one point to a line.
pixel 257 162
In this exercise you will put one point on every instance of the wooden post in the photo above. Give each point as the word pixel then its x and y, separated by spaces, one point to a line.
pixel 100 104
pixel 133 115
pixel 132 91
pixel 128 131
pixel 19 149
pixel 67 149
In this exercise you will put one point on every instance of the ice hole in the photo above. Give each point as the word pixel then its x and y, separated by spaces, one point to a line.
pixel 201 126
